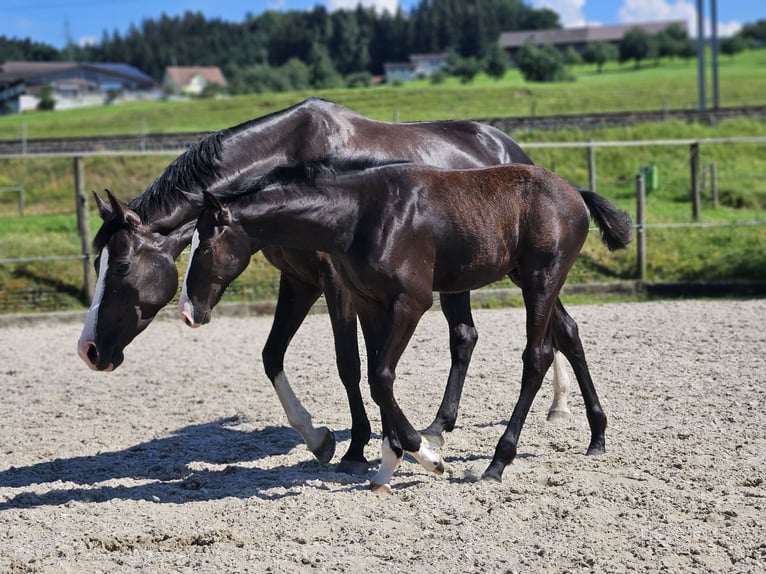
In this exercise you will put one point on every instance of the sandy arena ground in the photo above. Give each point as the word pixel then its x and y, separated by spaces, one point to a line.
pixel 182 460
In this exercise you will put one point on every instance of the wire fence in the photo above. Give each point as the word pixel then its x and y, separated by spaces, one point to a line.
pixel 687 163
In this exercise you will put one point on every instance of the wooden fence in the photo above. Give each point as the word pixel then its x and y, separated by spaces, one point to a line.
pixel 82 208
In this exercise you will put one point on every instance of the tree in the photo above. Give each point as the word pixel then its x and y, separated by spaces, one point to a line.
pixel 322 72
pixel 669 42
pixel 540 63
pixel 465 69
pixel 755 33
pixel 572 57
pixel 46 99
pixel 636 45
pixel 496 63
pixel 599 53
pixel 733 45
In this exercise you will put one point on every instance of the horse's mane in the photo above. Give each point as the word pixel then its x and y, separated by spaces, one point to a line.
pixel 195 169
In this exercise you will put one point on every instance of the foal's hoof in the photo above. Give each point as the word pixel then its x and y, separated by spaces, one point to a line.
pixel 380 489
pixel 494 473
pixel 429 459
pixel 355 467
pixel 558 416
pixel 325 450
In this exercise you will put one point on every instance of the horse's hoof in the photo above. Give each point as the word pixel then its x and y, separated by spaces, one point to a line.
pixel 326 449
pixel 380 489
pixel 596 450
pixel 558 416
pixel 355 467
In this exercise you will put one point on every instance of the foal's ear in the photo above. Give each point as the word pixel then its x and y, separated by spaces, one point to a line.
pixel 120 210
pixel 221 214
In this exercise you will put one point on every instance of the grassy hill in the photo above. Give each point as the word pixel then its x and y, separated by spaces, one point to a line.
pixel 716 252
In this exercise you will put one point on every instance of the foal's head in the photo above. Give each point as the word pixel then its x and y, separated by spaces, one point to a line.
pixel 221 250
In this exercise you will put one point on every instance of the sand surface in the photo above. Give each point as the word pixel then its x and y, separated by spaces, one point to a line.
pixel 182 460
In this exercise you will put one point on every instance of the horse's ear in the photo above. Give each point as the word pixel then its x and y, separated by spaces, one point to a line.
pixel 103 209
pixel 129 217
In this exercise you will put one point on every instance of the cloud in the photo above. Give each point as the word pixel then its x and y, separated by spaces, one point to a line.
pixel 634 11
pixel 569 11
pixel 379 5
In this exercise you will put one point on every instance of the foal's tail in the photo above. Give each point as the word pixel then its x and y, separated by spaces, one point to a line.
pixel 614 224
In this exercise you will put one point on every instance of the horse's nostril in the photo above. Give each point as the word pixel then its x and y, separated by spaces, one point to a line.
pixel 92 353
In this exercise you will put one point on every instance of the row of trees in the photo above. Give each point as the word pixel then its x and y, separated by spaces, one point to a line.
pixel 353 42
pixel 277 51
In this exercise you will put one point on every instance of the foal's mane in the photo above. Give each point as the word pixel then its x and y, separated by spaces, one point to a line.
pixel 307 174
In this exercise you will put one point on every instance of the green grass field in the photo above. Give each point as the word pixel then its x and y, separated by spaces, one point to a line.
pixel 713 253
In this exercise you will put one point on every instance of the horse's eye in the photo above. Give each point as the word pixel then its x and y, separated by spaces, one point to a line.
pixel 122 268
pixel 207 250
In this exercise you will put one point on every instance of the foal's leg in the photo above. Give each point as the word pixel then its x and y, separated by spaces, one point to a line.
pixel 567 338
pixel 462 339
pixel 389 334
pixel 537 357
pixel 343 318
pixel 295 300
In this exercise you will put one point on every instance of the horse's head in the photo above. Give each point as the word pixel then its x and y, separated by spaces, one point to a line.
pixel 137 276
pixel 221 250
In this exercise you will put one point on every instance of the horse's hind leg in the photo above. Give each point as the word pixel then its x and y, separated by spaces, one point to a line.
pixel 295 300
pixel 343 318
pixel 568 341
pixel 462 339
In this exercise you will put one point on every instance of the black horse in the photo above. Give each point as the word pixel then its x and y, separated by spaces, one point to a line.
pixel 397 233
pixel 139 242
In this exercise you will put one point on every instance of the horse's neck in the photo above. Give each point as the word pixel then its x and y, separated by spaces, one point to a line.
pixel 306 219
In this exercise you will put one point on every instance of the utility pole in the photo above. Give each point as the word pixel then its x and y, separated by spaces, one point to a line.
pixel 701 53
pixel 714 47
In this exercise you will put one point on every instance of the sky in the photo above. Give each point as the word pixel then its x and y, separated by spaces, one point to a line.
pixel 55 21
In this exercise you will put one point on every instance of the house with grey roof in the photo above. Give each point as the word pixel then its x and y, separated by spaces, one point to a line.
pixel 578 38
pixel 75 84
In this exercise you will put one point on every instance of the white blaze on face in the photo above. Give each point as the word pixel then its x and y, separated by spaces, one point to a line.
pixel 185 307
pixel 89 330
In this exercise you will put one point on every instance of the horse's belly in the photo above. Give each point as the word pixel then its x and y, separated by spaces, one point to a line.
pixel 466 280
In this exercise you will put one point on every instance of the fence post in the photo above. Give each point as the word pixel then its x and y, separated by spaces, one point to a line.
pixel 21 199
pixel 694 160
pixel 83 227
pixel 714 183
pixel 591 166
pixel 640 229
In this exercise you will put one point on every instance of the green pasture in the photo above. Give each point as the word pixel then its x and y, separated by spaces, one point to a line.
pixel 720 251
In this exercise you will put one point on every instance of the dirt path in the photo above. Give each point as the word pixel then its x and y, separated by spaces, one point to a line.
pixel 182 460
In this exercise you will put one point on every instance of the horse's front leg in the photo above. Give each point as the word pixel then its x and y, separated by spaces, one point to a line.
pixel 343 318
pixel 389 340
pixel 294 302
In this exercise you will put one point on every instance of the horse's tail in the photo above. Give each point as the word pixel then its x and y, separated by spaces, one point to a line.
pixel 614 224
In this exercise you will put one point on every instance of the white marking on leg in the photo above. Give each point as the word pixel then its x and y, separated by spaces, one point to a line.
pixel 388 465
pixel 561 385
pixel 297 415
pixel 185 307
pixel 89 329
pixel 428 457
